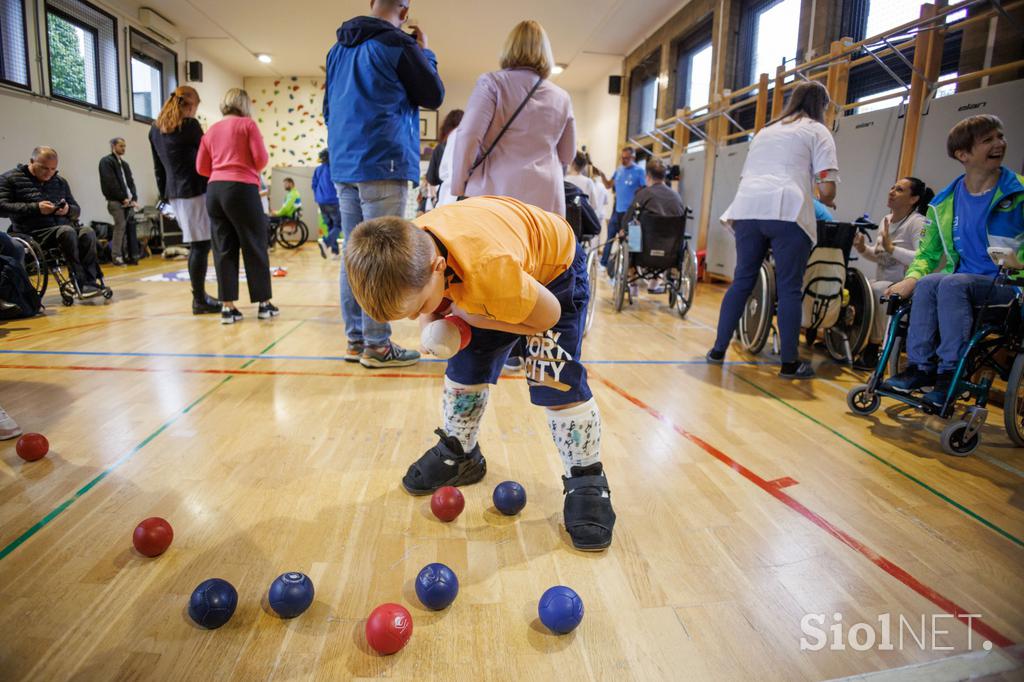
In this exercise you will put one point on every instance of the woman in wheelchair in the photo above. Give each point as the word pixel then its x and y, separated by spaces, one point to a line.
pixel 980 210
pixel 898 237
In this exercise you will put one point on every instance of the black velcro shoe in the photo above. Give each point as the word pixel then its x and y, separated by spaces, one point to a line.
pixel 589 517
pixel 444 464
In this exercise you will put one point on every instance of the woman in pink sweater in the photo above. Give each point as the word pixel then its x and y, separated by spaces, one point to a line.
pixel 527 164
pixel 232 155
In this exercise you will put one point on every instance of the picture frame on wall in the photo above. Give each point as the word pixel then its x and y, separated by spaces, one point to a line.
pixel 428 125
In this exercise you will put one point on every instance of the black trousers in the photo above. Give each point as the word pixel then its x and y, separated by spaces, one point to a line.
pixel 78 245
pixel 239 223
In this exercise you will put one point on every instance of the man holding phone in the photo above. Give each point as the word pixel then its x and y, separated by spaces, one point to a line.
pixel 40 204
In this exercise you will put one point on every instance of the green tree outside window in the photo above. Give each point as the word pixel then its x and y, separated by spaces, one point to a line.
pixel 67 63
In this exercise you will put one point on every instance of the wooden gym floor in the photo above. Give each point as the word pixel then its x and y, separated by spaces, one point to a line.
pixel 744 504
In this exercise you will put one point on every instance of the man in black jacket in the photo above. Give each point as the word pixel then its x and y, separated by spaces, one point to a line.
pixel 118 188
pixel 39 203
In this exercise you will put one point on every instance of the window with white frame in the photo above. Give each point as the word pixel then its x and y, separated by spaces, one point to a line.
pixel 154 71
pixel 13 43
pixel 772 28
pixel 693 76
pixel 82 55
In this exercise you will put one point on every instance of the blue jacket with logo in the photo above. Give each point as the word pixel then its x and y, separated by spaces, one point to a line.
pixel 377 78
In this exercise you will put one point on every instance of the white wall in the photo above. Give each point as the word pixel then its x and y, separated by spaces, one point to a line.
pixel 82 137
pixel 597 123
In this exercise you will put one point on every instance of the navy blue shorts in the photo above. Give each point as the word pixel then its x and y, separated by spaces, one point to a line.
pixel 553 369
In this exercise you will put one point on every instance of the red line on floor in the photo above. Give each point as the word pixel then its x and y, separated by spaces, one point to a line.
pixel 371 374
pixel 784 482
pixel 944 603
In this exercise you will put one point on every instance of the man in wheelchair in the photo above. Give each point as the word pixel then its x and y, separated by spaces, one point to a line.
pixel 658 199
pixel 982 208
pixel 40 205
pixel 292 203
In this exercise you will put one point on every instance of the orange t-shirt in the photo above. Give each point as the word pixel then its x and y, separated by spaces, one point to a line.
pixel 496 245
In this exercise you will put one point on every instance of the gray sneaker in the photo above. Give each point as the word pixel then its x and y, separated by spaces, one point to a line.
pixel 391 355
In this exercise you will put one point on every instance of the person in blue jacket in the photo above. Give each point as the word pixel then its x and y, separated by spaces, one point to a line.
pixel 377 78
pixel 326 196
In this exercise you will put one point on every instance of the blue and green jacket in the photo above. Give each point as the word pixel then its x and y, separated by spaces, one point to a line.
pixel 1004 224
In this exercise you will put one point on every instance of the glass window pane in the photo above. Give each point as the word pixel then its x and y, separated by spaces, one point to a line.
pixel 776 30
pixel 884 15
pixel 72 60
pixel 13 51
pixel 147 89
pixel 698 78
pixel 648 104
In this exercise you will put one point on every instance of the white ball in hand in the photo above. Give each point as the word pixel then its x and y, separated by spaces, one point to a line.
pixel 444 338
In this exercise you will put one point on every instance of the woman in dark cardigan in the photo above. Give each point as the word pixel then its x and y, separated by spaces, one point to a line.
pixel 175 138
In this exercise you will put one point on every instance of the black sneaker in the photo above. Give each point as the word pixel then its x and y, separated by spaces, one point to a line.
pixel 207 306
pixel 444 464
pixel 391 355
pixel 937 396
pixel 267 310
pixel 796 370
pixel 89 290
pixel 354 351
pixel 230 315
pixel 587 511
pixel 911 379
pixel 868 359
pixel 715 357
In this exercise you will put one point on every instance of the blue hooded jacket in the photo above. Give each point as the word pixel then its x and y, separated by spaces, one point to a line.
pixel 377 78
pixel 324 191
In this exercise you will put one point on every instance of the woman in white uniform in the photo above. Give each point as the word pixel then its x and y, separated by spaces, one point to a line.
pixel 898 236
pixel 175 137
pixel 773 209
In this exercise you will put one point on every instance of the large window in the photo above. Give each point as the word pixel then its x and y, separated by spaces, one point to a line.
pixel 153 71
pixel 13 43
pixel 769 33
pixel 82 49
pixel 643 94
pixel 693 69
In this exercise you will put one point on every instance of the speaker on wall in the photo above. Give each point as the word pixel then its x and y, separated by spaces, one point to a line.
pixel 194 71
pixel 614 85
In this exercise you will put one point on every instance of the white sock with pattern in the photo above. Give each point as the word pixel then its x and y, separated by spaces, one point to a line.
pixel 577 434
pixel 462 408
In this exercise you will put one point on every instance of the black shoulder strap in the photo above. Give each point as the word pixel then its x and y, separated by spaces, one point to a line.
pixel 522 104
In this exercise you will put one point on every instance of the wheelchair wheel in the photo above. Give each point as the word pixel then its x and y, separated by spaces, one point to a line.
pixel 686 285
pixel 593 271
pixel 292 234
pixel 855 318
pixel 621 273
pixel 953 440
pixel 35 266
pixel 1013 403
pixel 862 403
pixel 756 320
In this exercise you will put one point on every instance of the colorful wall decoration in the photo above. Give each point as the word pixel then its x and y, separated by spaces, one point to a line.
pixel 289 112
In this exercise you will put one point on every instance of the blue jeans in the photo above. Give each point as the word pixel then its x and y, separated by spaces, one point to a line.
pixel 362 201
pixel 332 216
pixel 946 331
pixel 614 223
pixel 791 246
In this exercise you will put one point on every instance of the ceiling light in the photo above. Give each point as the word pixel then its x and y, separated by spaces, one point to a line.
pixel 264 58
pixel 558 68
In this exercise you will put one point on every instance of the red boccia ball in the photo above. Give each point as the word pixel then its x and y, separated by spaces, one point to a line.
pixel 447 503
pixel 388 628
pixel 153 536
pixel 32 446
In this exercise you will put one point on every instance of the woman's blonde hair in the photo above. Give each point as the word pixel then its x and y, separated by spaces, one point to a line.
pixel 236 101
pixel 172 115
pixel 528 47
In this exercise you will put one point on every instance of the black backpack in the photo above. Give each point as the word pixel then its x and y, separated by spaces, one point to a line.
pixel 15 287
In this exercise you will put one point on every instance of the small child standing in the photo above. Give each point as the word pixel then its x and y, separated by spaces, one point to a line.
pixel 510 270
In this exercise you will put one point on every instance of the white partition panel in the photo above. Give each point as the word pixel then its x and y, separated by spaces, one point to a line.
pixel 721 258
pixel 691 185
pixel 868 146
pixel 1005 100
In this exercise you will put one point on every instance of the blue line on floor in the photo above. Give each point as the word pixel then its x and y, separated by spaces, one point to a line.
pixel 242 356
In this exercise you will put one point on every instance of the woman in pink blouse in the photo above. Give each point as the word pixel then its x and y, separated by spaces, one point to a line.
pixel 527 164
pixel 232 155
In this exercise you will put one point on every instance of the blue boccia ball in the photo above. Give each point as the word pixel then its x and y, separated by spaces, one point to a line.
pixel 437 586
pixel 509 498
pixel 560 609
pixel 212 603
pixel 290 594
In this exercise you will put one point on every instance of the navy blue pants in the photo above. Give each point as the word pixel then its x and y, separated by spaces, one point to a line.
pixel 553 368
pixel 791 247
pixel 614 223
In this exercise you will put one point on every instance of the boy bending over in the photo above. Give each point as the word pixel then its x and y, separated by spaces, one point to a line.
pixel 509 270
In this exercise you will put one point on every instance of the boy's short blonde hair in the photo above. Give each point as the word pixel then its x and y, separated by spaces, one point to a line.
pixel 964 134
pixel 528 47
pixel 387 259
